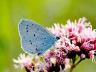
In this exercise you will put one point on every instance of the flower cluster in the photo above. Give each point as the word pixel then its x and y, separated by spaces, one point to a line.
pixel 75 39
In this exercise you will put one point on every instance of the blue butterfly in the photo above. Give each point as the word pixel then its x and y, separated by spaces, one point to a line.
pixel 35 38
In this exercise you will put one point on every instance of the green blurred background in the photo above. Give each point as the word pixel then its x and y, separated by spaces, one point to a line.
pixel 45 12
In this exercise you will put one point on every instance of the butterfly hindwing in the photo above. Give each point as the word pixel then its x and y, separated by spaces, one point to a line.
pixel 35 38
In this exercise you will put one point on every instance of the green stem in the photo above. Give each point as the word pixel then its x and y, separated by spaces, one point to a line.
pixel 74 65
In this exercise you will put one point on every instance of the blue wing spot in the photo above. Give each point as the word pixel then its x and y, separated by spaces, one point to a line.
pixel 26 27
pixel 27 31
pixel 30 42
pixel 34 35
pixel 32 24
pixel 36 49
pixel 37 28
pixel 43 43
pixel 44 38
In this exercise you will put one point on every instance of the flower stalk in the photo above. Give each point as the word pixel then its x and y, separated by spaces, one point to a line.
pixel 74 65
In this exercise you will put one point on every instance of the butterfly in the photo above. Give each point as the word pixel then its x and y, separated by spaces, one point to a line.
pixel 34 37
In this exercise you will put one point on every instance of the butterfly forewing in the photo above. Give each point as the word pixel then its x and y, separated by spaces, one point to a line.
pixel 35 38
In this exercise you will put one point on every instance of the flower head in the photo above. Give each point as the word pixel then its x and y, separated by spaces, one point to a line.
pixel 23 60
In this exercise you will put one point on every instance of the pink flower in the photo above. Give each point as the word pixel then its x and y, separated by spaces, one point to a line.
pixel 58 30
pixel 91 55
pixel 76 38
pixel 23 61
pixel 55 59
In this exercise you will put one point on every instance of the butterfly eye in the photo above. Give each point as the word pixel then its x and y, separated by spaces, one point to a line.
pixel 39 53
pixel 57 38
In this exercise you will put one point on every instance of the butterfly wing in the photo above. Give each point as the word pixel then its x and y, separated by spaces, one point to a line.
pixel 34 38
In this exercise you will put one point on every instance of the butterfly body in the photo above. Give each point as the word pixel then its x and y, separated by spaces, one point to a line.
pixel 35 38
